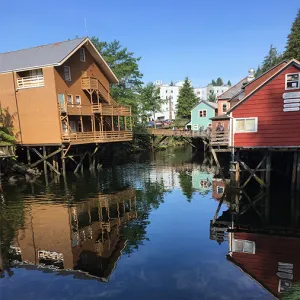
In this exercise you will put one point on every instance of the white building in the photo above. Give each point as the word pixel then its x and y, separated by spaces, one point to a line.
pixel 169 93
pixel 204 92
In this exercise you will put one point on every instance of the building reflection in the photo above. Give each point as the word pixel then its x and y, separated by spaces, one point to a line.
pixel 263 237
pixel 83 239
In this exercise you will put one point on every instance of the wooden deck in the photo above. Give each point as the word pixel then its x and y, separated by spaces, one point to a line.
pixel 97 137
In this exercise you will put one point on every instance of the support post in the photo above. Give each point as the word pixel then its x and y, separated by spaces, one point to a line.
pixel 45 161
pixel 28 156
pixel 63 162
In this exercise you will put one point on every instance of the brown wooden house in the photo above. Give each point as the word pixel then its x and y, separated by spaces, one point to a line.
pixel 59 95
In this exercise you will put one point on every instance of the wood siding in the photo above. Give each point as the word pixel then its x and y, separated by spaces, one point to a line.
pixel 79 69
pixel 275 127
pixel 220 107
pixel 270 250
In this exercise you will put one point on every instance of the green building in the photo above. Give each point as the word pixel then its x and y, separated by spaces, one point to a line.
pixel 202 181
pixel 201 114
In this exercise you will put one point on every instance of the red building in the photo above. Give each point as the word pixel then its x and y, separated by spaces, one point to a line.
pixel 268 112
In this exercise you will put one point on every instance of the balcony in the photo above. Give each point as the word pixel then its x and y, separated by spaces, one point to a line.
pixel 30 82
pixel 96 137
pixel 219 138
pixel 112 110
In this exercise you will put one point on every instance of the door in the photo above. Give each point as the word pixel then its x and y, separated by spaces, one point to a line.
pixel 73 126
pixel 61 102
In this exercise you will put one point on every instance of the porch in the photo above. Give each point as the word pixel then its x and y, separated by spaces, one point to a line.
pixel 96 137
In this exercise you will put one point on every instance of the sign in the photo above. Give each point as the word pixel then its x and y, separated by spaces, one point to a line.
pixel 291 105
pixel 291 95
pixel 291 100
pixel 285 109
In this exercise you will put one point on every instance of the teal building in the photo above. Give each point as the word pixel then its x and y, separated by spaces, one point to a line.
pixel 201 114
pixel 202 181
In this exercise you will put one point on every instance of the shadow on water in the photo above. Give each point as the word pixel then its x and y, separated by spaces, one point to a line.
pixel 151 224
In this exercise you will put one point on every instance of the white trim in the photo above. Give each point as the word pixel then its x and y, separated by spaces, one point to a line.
pixel 71 99
pixel 248 118
pixel 82 54
pixel 243 241
pixel 292 88
pixel 79 99
pixel 69 73
pixel 202 113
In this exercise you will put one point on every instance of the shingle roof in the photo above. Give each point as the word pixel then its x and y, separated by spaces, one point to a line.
pixel 51 54
pixel 211 104
pixel 234 90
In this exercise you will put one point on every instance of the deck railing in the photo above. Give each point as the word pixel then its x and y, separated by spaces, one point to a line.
pixel 170 132
pixel 30 82
pixel 97 136
pixel 219 138
pixel 112 110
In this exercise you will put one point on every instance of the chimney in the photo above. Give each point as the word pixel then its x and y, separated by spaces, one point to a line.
pixel 251 75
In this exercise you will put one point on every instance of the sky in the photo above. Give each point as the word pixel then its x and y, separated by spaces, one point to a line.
pixel 195 38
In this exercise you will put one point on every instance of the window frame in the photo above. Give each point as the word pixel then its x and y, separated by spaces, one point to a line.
pixel 224 111
pixel 72 99
pixel 286 81
pixel 220 189
pixel 74 124
pixel 202 110
pixel 237 240
pixel 69 72
pixel 82 55
pixel 248 118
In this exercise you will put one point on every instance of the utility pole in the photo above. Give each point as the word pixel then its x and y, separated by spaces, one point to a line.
pixel 170 108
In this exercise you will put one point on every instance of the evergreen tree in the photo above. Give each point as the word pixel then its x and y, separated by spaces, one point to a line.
pixel 186 100
pixel 220 82
pixel 172 83
pixel 212 97
pixel 271 60
pixel 150 100
pixel 213 82
pixel 125 66
pixel 293 41
pixel 6 127
pixel 186 184
pixel 229 83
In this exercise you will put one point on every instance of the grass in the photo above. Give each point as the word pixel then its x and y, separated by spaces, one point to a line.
pixel 292 293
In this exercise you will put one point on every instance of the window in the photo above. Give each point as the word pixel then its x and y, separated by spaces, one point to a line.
pixel 82 54
pixel 203 184
pixel 195 126
pixel 73 126
pixel 70 99
pixel 202 113
pixel 171 91
pixel 67 73
pixel 64 127
pixel 198 93
pixel 224 107
pixel 77 100
pixel 220 189
pixel 166 91
pixel 245 125
pixel 292 81
pixel 243 246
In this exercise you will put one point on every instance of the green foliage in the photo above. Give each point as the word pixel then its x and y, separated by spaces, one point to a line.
pixel 220 82
pixel 6 127
pixel 212 97
pixel 186 100
pixel 186 184
pixel 125 66
pixel 292 293
pixel 270 60
pixel 172 83
pixel 229 83
pixel 213 82
pixel 149 100
pixel 293 41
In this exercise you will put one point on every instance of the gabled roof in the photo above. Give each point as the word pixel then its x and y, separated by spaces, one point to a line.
pixel 51 55
pixel 211 104
pixel 234 90
pixel 293 61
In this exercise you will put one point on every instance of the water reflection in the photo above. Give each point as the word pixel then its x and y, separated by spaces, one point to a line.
pixel 262 232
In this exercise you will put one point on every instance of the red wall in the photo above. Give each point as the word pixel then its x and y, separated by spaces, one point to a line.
pixel 263 265
pixel 275 127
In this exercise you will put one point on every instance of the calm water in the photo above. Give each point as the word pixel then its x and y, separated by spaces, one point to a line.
pixel 136 231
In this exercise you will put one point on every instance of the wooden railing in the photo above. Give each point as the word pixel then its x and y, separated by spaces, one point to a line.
pixel 30 82
pixel 219 138
pixel 85 110
pixel 112 110
pixel 93 84
pixel 97 136
pixel 170 132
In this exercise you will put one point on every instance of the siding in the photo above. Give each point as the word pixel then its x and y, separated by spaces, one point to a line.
pixel 270 250
pixel 275 127
pixel 79 69
pixel 220 107
pixel 195 118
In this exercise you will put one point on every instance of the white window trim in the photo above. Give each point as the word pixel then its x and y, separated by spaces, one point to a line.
pixel 72 102
pixel 82 54
pixel 237 240
pixel 223 107
pixel 292 88
pixel 202 113
pixel 70 78
pixel 249 118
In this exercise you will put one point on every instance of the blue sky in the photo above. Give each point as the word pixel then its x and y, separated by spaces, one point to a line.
pixel 195 38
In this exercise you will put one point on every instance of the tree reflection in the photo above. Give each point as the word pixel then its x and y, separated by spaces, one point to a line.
pixel 186 184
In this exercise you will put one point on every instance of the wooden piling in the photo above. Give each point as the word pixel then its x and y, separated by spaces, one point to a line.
pixel 45 161
pixel 63 162
pixel 28 156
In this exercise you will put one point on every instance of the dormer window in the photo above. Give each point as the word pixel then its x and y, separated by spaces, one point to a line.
pixel 224 107
pixel 67 73
pixel 82 54
pixel 292 81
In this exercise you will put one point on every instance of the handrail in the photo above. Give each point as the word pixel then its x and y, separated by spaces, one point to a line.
pixel 30 81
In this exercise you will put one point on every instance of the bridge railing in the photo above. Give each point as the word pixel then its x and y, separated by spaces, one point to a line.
pixel 170 132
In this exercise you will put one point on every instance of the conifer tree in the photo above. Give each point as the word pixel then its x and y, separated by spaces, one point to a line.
pixel 229 83
pixel 220 82
pixel 186 100
pixel 293 41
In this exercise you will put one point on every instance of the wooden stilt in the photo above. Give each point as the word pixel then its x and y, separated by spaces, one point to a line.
pixel 298 175
pixel 293 186
pixel 267 178
pixel 45 161
pixel 28 156
pixel 63 162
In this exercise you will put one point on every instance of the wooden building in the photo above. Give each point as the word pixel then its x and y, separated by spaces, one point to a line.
pixel 59 96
